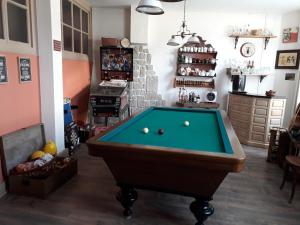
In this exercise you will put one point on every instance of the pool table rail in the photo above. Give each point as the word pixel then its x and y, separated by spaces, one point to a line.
pixel 230 162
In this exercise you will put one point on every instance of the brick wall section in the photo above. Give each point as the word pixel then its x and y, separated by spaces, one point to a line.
pixel 144 88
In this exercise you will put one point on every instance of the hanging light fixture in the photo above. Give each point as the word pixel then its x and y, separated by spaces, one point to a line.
pixel 151 7
pixel 174 41
pixel 183 32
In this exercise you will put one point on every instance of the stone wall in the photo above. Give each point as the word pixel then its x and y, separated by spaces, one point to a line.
pixel 143 89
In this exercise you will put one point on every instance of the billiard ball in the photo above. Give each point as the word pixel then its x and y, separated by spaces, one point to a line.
pixel 160 131
pixel 186 123
pixel 146 130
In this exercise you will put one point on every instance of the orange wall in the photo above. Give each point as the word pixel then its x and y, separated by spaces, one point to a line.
pixel 19 103
pixel 77 79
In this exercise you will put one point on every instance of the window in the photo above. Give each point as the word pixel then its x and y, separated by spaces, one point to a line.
pixel 16 26
pixel 75 27
pixel 1 23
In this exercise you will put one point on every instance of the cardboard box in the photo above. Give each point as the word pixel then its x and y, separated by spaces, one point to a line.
pixel 15 148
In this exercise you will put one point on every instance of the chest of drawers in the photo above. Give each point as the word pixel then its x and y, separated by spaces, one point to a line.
pixel 252 116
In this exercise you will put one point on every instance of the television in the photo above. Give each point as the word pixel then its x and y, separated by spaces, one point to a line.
pixel 116 59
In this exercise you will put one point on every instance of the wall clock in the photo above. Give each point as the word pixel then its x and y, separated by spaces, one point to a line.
pixel 125 43
pixel 247 49
pixel 211 96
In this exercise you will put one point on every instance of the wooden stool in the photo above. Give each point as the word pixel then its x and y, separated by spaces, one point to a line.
pixel 292 162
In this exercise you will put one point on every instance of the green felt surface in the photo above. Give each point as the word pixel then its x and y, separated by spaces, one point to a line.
pixel 203 134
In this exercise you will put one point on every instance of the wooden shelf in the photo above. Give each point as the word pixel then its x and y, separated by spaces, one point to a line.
pixel 252 36
pixel 211 53
pixel 199 64
pixel 193 83
pixel 265 37
pixel 206 105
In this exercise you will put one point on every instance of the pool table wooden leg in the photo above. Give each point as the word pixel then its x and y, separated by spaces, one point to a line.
pixel 201 210
pixel 127 196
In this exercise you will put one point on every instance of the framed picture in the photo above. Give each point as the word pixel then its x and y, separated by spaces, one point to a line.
pixel 290 35
pixel 287 59
pixel 25 70
pixel 3 70
pixel 290 76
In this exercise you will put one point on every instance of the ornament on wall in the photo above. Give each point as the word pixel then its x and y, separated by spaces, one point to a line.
pixel 125 43
pixel 247 49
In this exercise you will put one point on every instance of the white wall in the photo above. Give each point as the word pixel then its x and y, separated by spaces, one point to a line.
pixel 138 27
pixel 50 65
pixel 107 22
pixel 286 87
pixel 213 27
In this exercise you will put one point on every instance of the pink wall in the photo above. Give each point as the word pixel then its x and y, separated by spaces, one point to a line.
pixel 77 79
pixel 19 103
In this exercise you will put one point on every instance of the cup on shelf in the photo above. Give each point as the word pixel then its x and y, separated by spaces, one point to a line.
pixel 211 73
pixel 213 60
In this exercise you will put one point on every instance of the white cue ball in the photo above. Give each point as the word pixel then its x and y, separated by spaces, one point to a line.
pixel 146 130
pixel 186 123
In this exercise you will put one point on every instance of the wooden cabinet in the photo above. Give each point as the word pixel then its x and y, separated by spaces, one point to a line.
pixel 252 116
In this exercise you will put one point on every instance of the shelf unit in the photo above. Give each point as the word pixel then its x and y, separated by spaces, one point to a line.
pixel 265 37
pixel 203 57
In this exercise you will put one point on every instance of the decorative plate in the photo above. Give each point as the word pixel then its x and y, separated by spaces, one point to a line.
pixel 182 71
pixel 125 43
pixel 247 49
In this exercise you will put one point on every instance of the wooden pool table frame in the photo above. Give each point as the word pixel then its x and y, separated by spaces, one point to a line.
pixel 191 173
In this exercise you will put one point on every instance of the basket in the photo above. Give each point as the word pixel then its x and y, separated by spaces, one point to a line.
pixel 43 171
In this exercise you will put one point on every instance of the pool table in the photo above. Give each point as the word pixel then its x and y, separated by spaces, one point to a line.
pixel 186 160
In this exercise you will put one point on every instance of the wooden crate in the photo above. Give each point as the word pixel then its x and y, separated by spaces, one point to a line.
pixel 15 148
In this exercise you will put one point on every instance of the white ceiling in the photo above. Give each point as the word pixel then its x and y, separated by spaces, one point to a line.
pixel 279 6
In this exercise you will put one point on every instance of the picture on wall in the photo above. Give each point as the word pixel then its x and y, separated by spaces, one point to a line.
pixel 290 76
pixel 287 59
pixel 3 70
pixel 25 70
pixel 290 35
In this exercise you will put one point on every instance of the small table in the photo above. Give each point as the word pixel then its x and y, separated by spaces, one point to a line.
pixel 206 105
pixel 186 160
